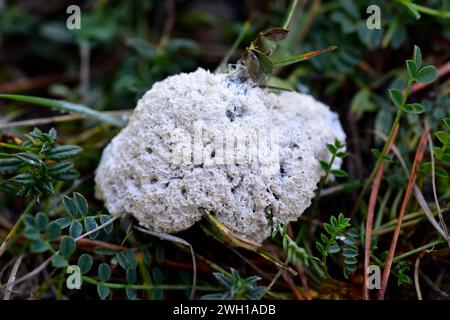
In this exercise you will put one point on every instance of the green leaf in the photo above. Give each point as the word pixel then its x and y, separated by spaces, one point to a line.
pixel 81 203
pixel 131 294
pixel 417 56
pixel 350 252
pixel 41 221
pixel 320 248
pixel 52 231
pixel 441 172
pixel 70 206
pixel 104 272
pixel 427 74
pixel 67 246
pixel 60 169
pixel 302 57
pixel 350 260
pixel 91 224
pixel 104 219
pixel 103 292
pixel 333 221
pixel 58 261
pixel 39 246
pixel 31 233
pixel 275 34
pixel 328 228
pixel 412 69
pixel 325 166
pixel 253 66
pixel 85 263
pixel 396 97
pixel 30 159
pixel 415 108
pixel 63 222
pixel 331 148
pixel 339 173
pixel 68 107
pixel 265 62
pixel 147 256
pixel 131 275
pixel 63 152
pixel 334 249
pixel 76 228
pixel 446 122
pixel 10 164
pixel 342 155
pixel 443 137
pixel 25 178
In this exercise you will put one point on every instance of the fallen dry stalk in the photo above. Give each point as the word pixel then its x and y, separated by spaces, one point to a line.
pixel 417 160
pixel 370 216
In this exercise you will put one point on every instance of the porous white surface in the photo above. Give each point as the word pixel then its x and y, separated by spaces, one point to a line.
pixel 137 175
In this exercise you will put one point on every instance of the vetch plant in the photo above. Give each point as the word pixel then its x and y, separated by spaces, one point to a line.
pixel 236 288
pixel 339 239
pixel 38 163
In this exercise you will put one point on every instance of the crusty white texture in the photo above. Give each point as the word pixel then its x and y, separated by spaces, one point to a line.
pixel 137 175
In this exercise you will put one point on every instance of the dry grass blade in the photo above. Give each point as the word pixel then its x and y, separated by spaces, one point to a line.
pixel 12 278
pixel 417 160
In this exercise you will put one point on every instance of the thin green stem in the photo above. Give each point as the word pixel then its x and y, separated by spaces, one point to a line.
pixel 146 286
pixel 290 14
pixel 321 185
pixel 429 11
pixel 416 250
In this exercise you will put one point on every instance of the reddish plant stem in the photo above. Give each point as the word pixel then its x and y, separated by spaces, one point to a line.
pixel 412 179
pixel 370 216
